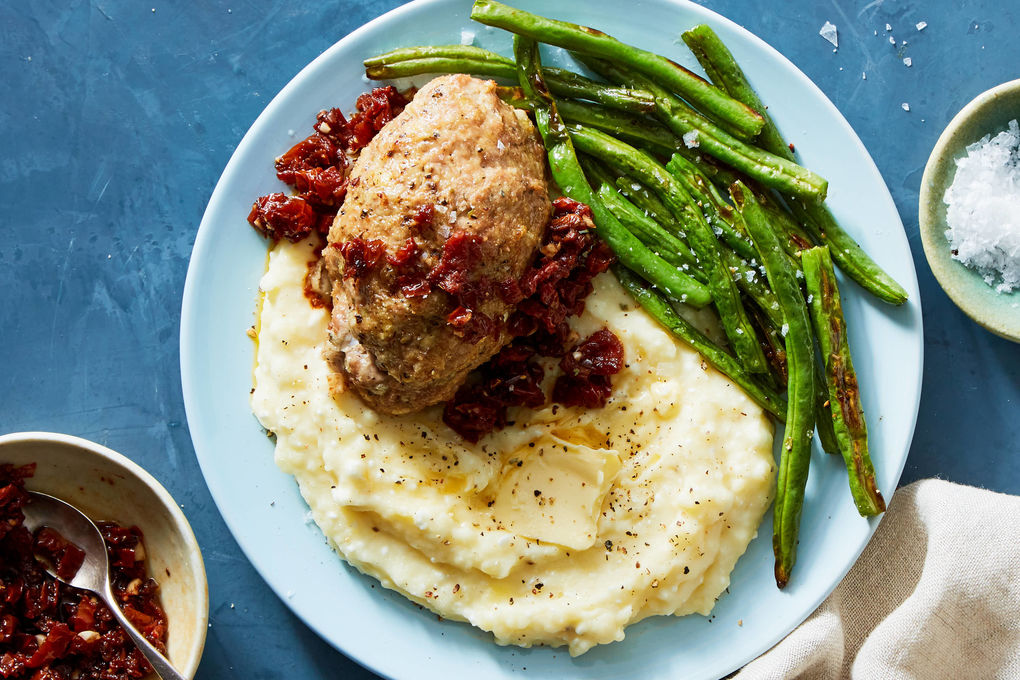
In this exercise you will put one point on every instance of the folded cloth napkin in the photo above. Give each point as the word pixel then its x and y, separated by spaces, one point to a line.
pixel 936 594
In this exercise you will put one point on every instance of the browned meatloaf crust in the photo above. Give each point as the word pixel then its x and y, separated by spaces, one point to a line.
pixel 480 165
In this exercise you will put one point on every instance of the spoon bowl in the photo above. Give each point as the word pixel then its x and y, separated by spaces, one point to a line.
pixel 94 573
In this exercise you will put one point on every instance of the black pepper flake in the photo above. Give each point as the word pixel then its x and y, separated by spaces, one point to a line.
pixel 537 493
pixel 609 545
pixel 687 570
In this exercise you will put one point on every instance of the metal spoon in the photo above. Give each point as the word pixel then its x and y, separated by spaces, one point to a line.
pixel 94 574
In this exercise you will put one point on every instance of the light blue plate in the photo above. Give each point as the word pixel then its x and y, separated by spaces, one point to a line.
pixel 380 629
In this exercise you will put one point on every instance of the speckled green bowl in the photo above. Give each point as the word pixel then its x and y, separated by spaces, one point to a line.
pixel 989 113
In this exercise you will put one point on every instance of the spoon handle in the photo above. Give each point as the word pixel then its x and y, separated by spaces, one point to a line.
pixel 159 663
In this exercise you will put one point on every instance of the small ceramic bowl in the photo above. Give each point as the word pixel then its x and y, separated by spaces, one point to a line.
pixel 108 486
pixel 989 113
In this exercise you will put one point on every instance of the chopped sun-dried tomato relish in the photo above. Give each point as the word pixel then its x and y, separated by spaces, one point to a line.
pixel 550 291
pixel 586 370
pixel 277 216
pixel 51 631
pixel 316 167
pixel 361 256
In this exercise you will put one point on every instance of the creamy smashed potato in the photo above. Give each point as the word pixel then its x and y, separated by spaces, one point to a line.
pixel 561 529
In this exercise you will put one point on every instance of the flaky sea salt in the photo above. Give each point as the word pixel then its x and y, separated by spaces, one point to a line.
pixel 908 62
pixel 691 140
pixel 905 106
pixel 983 209
pixel 467 37
pixel 921 25
pixel 828 31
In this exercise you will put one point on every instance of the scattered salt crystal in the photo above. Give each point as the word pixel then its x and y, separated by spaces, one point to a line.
pixel 921 25
pixel 864 75
pixel 876 32
pixel 983 209
pixel 467 37
pixel 888 27
pixel 905 106
pixel 784 330
pixel 810 298
pixel 291 133
pixel 892 40
pixel 691 140
pixel 908 62
pixel 828 31
pixel 903 43
pixel 500 145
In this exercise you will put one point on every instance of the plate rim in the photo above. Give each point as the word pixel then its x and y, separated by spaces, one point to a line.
pixel 205 235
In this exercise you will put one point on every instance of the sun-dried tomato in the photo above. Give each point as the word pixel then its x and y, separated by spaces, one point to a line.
pixel 461 253
pixel 315 151
pixel 554 287
pixel 591 392
pixel 375 109
pixel 361 256
pixel 423 215
pixel 405 256
pixel 41 619
pixel 511 379
pixel 586 370
pixel 454 274
pixel 550 291
pixel 601 353
pixel 65 557
pixel 332 124
pixel 317 168
pixel 323 188
pixel 277 216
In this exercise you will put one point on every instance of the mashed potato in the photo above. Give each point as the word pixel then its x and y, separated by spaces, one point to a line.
pixel 561 529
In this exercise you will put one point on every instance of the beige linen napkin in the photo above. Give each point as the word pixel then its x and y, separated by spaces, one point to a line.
pixel 936 594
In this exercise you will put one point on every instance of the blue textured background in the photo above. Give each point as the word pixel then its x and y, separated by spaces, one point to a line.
pixel 117 118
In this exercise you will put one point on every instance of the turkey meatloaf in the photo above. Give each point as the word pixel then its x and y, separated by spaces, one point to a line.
pixel 458 178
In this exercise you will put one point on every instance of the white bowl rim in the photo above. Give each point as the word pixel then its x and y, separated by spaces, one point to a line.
pixel 190 665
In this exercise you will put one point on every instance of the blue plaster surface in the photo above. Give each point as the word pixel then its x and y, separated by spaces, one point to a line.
pixel 117 118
